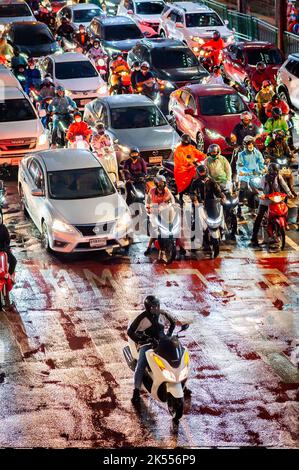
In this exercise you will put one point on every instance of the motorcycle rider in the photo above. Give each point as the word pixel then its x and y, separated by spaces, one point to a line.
pixel 271 182
pixel 243 128
pixel 262 98
pixel 217 45
pixel 135 168
pixel 47 88
pixel 135 71
pixel 78 128
pixel 6 50
pixel 5 246
pixel 61 106
pixel 82 38
pixel 276 102
pixel 216 76
pixel 33 76
pixel 117 66
pixel 250 162
pixel 275 123
pixel 17 60
pixel 65 29
pixel 158 195
pixel 186 156
pixel 146 328
pixel 145 80
pixel 96 52
pixel 102 143
pixel 261 74
pixel 100 139
pixel 218 166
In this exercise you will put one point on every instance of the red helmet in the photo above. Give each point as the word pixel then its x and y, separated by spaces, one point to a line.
pixel 266 83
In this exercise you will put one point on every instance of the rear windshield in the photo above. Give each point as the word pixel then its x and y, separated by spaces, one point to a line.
pixel 270 56
pixel 31 36
pixel 201 20
pixel 219 105
pixel 122 32
pixel 78 69
pixel 13 11
pixel 16 110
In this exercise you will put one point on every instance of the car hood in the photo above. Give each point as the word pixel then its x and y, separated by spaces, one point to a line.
pixel 79 84
pixel 17 18
pixel 221 124
pixel 148 18
pixel 88 211
pixel 39 50
pixel 147 138
pixel 20 129
pixel 208 32
pixel 125 45
pixel 192 74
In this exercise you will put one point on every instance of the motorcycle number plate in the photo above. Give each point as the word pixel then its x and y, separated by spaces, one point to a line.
pixel 155 160
pixel 97 242
pixel 84 102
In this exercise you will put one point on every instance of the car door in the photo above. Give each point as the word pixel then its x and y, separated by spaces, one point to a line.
pixel 178 107
pixel 169 22
pixel 28 185
pixel 188 122
pixel 39 201
pixel 291 80
pixel 232 64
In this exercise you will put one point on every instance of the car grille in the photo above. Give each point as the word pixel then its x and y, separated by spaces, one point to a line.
pixel 147 154
pixel 95 229
pixel 7 145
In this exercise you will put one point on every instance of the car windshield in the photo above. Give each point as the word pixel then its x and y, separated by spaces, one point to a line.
pixel 76 69
pixel 269 56
pixel 202 20
pixel 168 58
pixel 81 183
pixel 149 8
pixel 31 36
pixel 16 110
pixel 136 117
pixel 121 32
pixel 85 16
pixel 13 11
pixel 219 105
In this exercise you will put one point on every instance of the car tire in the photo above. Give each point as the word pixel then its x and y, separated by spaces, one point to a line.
pixel 162 33
pixel 200 142
pixel 284 95
pixel 45 237
pixel 22 202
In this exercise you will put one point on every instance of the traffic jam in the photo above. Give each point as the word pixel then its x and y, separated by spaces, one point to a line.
pixel 149 228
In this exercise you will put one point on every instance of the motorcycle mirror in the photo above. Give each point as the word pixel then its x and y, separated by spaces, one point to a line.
pixel 179 25
pixel 130 12
pixel 226 22
pixel 185 326
pixel 37 192
pixel 115 141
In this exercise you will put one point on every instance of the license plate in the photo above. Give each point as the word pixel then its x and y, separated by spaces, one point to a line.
pixel 155 160
pixel 97 242
pixel 84 102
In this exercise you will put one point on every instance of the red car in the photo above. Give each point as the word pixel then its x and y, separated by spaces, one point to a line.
pixel 208 113
pixel 240 59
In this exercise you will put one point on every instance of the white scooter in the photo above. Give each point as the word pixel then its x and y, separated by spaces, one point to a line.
pixel 166 373
pixel 79 143
pixel 107 157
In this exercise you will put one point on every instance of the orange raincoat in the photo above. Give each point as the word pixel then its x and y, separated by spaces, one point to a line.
pixel 184 169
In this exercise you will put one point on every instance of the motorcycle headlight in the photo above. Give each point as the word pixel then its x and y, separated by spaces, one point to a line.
pixel 60 226
pixel 213 134
pixel 214 222
pixel 43 139
pixel 101 62
pixel 2 28
pixel 102 90
pixel 123 224
pixel 195 49
pixel 183 374
pixel 68 93
pixel 282 161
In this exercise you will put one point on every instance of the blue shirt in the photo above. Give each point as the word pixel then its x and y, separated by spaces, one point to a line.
pixel 250 162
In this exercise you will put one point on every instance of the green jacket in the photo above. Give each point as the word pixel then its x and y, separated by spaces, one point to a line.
pixel 272 125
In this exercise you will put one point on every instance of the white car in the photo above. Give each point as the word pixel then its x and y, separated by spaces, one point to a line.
pixel 288 80
pixel 72 202
pixel 7 79
pixel 21 131
pixel 77 75
pixel 82 13
pixel 144 12
pixel 14 10
pixel 193 24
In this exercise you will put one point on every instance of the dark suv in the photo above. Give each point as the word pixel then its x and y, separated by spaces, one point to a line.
pixel 117 33
pixel 172 62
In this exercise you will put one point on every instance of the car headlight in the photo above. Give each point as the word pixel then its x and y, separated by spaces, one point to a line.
pixel 102 89
pixel 213 135
pixel 43 139
pixel 123 224
pixel 60 226
pixel 183 374
pixel 68 93
pixel 197 39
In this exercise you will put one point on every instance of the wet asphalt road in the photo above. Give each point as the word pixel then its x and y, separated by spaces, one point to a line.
pixel 63 378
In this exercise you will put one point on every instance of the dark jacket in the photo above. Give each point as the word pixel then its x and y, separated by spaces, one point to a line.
pixel 135 169
pixel 150 325
pixel 205 190
pixel 4 238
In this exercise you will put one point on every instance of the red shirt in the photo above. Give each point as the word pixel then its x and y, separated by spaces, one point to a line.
pixel 257 78
pixel 78 128
pixel 281 104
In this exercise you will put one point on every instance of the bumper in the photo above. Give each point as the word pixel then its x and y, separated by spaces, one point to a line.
pixel 81 100
pixel 64 243
pixel 13 158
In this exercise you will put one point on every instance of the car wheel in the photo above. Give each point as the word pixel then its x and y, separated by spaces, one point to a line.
pixel 45 237
pixel 162 33
pixel 22 202
pixel 200 142
pixel 284 95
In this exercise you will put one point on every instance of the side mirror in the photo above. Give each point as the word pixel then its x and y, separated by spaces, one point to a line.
pixel 179 25
pixel 130 12
pixel 189 111
pixel 226 22
pixel 120 185
pixel 37 192
pixel 185 326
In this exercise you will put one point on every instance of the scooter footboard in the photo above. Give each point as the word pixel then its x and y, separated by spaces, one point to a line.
pixel 129 358
pixel 175 389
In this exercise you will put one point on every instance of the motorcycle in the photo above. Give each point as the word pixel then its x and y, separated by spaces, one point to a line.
pixel 213 223
pixel 167 371
pixel 151 91
pixel 165 227
pixel 47 16
pixel 5 281
pixel 252 190
pixel 79 143
pixel 121 82
pixel 109 161
pixel 277 218
pixel 4 173
pixel 207 58
pixel 101 64
pixel 59 134
pixel 230 205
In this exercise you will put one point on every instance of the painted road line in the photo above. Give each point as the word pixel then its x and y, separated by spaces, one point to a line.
pixel 292 243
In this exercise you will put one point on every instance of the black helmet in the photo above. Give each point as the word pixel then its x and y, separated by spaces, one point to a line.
pixel 216 35
pixel 276 111
pixel 136 63
pixel 100 127
pixel 214 148
pixel 134 152
pixel 152 304
pixel 64 19
pixel 261 65
pixel 114 56
pixel 273 169
pixel 186 139
pixel 202 171
pixel 97 39
pixel 248 139
pixel 275 97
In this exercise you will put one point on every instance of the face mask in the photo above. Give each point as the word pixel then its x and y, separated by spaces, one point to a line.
pixel 77 119
pixel 213 156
